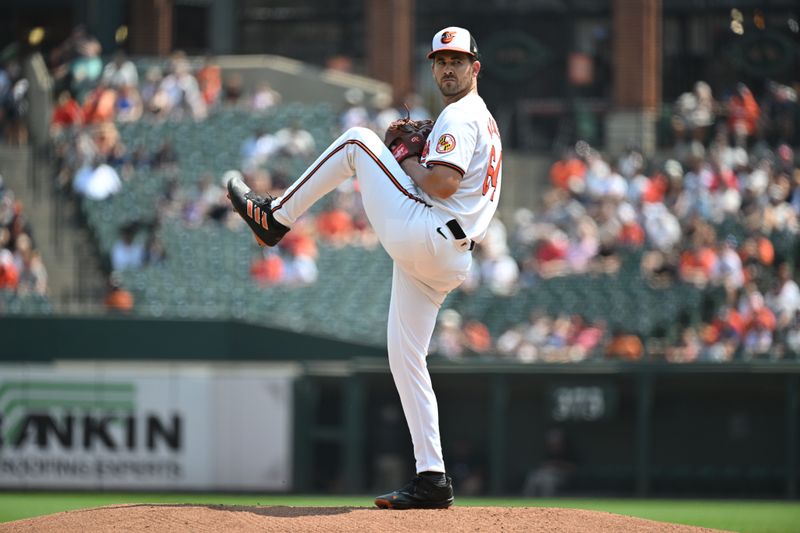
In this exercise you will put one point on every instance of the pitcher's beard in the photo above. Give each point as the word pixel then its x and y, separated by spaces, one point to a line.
pixel 449 89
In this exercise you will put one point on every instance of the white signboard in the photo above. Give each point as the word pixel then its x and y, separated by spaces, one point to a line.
pixel 158 426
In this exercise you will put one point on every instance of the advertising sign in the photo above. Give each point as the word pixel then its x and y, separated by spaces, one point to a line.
pixel 145 426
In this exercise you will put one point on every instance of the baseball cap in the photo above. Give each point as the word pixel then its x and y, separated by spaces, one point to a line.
pixel 455 39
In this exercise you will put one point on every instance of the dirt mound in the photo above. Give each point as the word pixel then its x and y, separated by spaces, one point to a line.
pixel 194 518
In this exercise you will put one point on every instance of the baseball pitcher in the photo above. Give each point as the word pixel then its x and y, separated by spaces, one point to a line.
pixel 429 191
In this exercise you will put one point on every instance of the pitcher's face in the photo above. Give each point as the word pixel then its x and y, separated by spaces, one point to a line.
pixel 454 72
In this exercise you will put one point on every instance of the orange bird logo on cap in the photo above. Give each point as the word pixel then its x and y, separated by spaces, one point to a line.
pixel 448 36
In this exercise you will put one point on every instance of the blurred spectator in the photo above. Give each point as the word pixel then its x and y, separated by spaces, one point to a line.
pixel 97 182
pixel 264 97
pixel 258 148
pixel 30 269
pixel 182 90
pixel 698 262
pixel 448 338
pixel 694 113
pixel 721 338
pixel 743 113
pixel 129 107
pixel 625 346
pixel 586 338
pixel 106 141
pixel 86 67
pixel 476 337
pixel 13 104
pixel 784 298
pixel 498 270
pixel 100 105
pixel 603 180
pixel 206 201
pixel 294 141
pixel 66 114
pixel 385 113
pixel 727 270
pixel 584 246
pixel 355 114
pixel 9 276
pixel 301 265
pixel 209 79
pixel 154 98
pixel 127 252
pixel 569 172
pixel 793 336
pixel 688 348
pixel 335 225
pixel 233 89
pixel 780 111
pixel 120 72
pixel 268 268
pixel 118 299
pixel 662 227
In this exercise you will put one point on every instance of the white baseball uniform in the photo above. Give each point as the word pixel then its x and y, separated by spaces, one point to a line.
pixel 429 259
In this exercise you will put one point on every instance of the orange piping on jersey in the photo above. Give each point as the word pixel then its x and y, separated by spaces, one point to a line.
pixel 446 164
pixel 374 158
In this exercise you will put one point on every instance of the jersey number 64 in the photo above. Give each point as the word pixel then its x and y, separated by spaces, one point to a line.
pixel 493 172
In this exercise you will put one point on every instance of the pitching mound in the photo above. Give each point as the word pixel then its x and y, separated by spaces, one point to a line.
pixel 189 517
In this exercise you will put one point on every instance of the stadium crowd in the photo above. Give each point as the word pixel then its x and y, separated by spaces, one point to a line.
pixel 721 213
pixel 22 271
pixel 719 208
pixel 95 163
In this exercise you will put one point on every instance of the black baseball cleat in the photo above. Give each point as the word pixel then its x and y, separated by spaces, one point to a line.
pixel 256 211
pixel 420 493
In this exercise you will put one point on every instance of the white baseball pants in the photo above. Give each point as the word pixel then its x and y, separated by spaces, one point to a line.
pixel 427 265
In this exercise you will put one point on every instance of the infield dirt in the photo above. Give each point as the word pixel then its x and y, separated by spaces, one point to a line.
pixel 174 518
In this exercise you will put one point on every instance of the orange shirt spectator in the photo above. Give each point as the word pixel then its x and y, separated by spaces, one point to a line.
pixel 68 111
pixel 656 189
pixel 209 80
pixel 625 346
pixel 477 337
pixel 335 225
pixel 119 299
pixel 729 321
pixel 300 243
pixel 697 266
pixel 9 277
pixel 766 251
pixel 743 111
pixel 764 317
pixel 631 234
pixel 267 270
pixel 565 169
pixel 100 105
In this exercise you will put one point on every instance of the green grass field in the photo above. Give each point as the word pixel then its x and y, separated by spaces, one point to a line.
pixel 732 515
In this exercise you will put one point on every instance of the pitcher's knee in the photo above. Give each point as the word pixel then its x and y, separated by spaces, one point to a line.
pixel 363 134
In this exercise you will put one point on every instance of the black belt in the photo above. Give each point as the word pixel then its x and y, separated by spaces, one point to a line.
pixel 458 232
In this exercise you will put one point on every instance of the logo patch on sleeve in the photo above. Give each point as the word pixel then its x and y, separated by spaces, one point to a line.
pixel 446 143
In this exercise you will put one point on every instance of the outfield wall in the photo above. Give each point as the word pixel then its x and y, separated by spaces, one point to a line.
pixel 180 405
pixel 631 429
